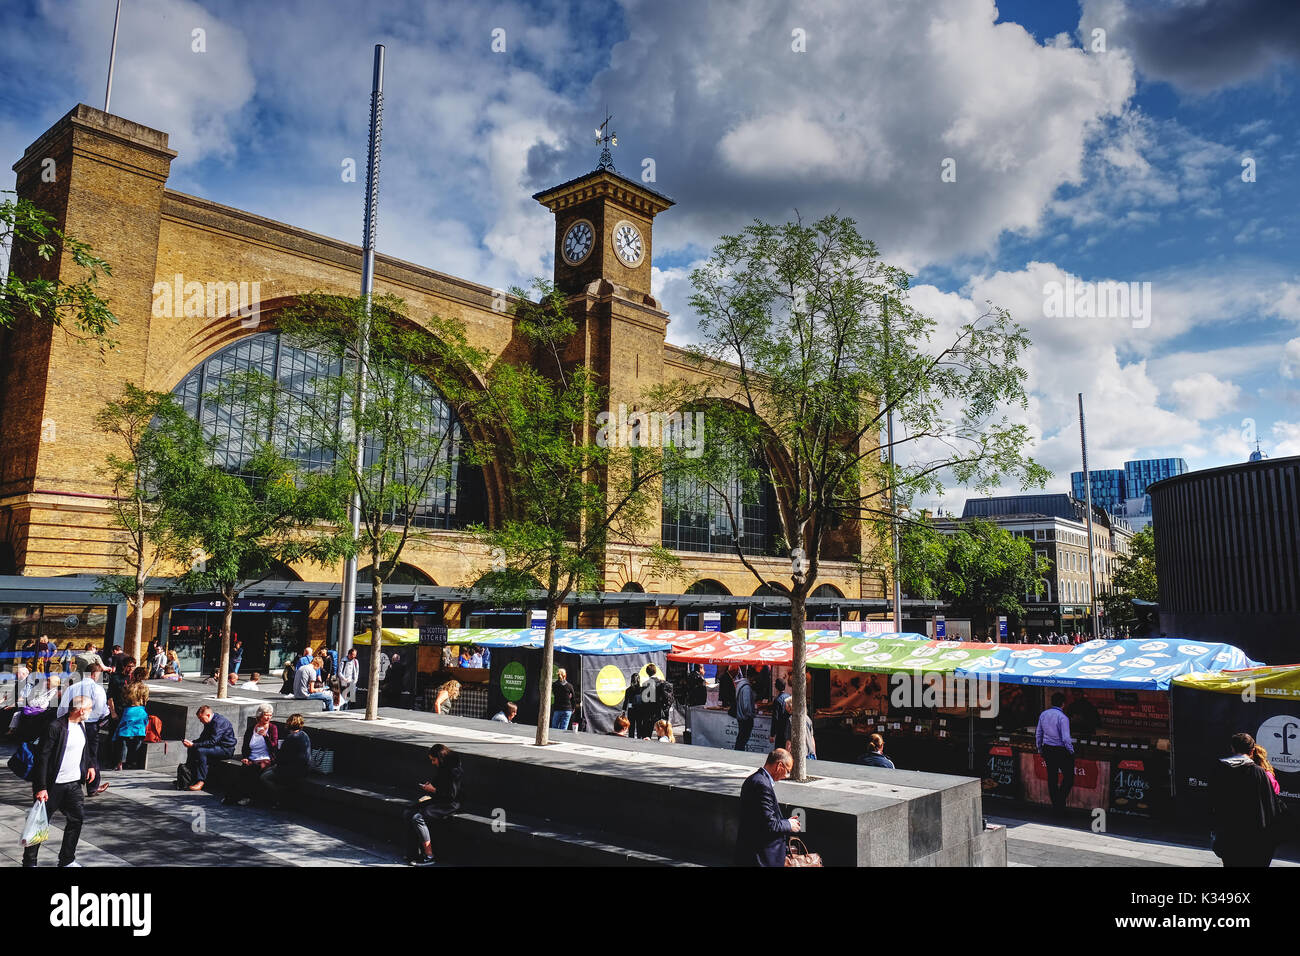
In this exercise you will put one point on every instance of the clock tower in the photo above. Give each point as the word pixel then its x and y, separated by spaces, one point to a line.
pixel 603 227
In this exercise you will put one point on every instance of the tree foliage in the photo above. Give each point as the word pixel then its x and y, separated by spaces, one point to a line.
pixel 158 447
pixel 1134 578
pixel 814 344
pixel 573 495
pixel 28 232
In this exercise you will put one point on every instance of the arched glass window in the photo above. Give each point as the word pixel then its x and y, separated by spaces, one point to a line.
pixel 695 516
pixel 454 499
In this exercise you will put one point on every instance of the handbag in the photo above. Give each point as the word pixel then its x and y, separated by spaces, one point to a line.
pixel 37 829
pixel 802 857
pixel 322 760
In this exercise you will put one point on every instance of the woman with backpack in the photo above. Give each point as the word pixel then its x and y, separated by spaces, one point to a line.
pixel 129 738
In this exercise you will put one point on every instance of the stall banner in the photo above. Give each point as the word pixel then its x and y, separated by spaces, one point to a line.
pixel 606 640
pixel 1091 782
pixel 1135 663
pixel 715 728
pixel 513 677
pixel 603 683
pixel 1208 709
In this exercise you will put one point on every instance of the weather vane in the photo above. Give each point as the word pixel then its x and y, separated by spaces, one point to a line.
pixel 605 138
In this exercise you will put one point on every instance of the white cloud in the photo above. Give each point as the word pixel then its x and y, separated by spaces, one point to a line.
pixel 1203 396
pixel 1290 367
pixel 1286 439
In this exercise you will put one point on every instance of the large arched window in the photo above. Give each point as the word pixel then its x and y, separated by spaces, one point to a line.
pixel 695 516
pixel 456 498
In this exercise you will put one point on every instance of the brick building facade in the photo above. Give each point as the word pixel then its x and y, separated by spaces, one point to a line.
pixel 104 179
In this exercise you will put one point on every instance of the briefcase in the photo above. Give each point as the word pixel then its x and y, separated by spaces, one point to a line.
pixel 801 857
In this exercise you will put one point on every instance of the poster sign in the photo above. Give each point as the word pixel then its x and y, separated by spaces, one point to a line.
pixel 537 617
pixel 1091 782
pixel 433 636
pixel 1002 627
pixel 1001 774
pixel 711 621
pixel 514 680
pixel 940 628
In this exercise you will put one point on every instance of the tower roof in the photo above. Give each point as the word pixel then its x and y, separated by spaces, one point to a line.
pixel 604 182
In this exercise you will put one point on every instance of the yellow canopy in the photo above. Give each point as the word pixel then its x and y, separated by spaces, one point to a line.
pixel 394 635
pixel 1275 681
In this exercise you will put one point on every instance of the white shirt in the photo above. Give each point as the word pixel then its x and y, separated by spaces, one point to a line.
pixel 70 767
pixel 257 747
pixel 348 671
pixel 86 688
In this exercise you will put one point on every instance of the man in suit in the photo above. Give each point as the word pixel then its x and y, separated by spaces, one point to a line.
pixel 217 742
pixel 65 760
pixel 760 840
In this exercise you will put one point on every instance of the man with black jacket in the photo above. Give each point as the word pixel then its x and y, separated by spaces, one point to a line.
pixel 445 789
pixel 64 761
pixel 1244 810
pixel 217 742
pixel 761 837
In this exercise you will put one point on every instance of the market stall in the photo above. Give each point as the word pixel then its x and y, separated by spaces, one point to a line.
pixel 1117 696
pixel 711 724
pixel 1208 708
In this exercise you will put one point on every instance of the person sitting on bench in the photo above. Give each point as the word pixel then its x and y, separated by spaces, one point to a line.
pixel 445 790
pixel 217 742
pixel 292 763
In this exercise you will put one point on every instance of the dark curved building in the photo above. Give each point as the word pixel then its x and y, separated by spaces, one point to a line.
pixel 1228 556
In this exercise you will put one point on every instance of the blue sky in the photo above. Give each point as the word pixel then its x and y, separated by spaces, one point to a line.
pixel 1114 163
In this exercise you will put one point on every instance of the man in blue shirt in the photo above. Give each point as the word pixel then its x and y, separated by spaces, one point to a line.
pixel 1054 743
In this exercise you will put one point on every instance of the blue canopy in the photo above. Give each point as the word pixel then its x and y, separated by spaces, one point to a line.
pixel 1135 664
pixel 603 641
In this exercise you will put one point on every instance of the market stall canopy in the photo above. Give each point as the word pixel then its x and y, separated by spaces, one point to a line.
pixel 771 634
pixel 1282 681
pixel 600 641
pixel 391 636
pixel 1136 664
pixel 743 652
pixel 889 654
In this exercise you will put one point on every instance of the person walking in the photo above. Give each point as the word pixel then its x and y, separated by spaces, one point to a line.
pixel 1245 813
pixel 236 655
pixel 760 839
pixel 217 742
pixel 1052 737
pixel 90 687
pixel 562 693
pixel 65 760
pixel 780 716
pixel 445 790
pixel 743 708
pixel 349 674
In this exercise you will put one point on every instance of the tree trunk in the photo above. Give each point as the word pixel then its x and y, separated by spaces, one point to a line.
pixel 223 663
pixel 376 638
pixel 135 640
pixel 799 680
pixel 548 668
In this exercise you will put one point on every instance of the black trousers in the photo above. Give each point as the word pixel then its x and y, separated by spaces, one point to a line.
pixel 247 783
pixel 1059 760
pixel 424 819
pixel 63 798
pixel 130 752
pixel 746 727
pixel 198 758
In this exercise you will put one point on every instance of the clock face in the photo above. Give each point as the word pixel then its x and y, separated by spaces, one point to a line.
pixel 578 242
pixel 627 243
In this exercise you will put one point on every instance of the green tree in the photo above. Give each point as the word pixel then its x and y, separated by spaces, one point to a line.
pixel 159 446
pixel 417 384
pixel 232 528
pixel 32 239
pixel 988 572
pixel 1134 579
pixel 814 346
pixel 575 494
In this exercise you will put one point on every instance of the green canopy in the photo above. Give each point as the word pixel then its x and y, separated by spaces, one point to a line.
pixel 891 655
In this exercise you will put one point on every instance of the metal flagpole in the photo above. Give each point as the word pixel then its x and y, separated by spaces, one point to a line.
pixel 349 604
pixel 1092 542
pixel 893 492
pixel 112 55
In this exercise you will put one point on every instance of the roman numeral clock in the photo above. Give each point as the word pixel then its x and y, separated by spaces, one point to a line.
pixel 603 224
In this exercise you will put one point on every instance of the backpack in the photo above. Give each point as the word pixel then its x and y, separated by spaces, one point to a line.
pixel 23 761
pixel 184 777
pixel 153 731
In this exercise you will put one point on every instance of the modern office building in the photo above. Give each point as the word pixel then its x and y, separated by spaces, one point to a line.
pixel 1108 488
pixel 1143 472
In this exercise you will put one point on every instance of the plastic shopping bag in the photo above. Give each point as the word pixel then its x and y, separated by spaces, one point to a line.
pixel 37 829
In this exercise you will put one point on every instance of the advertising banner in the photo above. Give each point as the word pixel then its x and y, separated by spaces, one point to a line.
pixel 604 683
